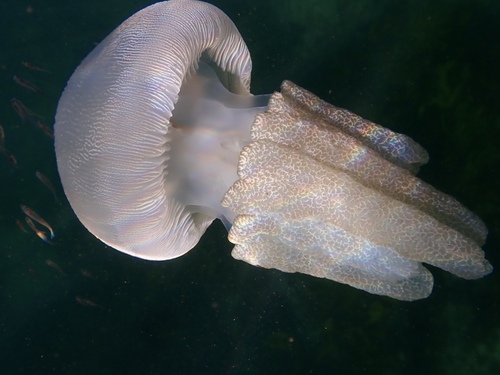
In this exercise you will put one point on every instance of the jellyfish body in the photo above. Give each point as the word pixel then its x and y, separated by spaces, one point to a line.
pixel 157 135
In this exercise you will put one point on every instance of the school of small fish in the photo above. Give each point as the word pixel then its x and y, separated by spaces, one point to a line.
pixel 32 221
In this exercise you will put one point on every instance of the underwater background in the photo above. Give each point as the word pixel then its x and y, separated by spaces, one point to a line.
pixel 428 69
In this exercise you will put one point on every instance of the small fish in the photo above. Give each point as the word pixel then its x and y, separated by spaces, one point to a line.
pixel 47 184
pixel 28 85
pixel 86 302
pixel 87 274
pixel 32 214
pixel 2 137
pixel 21 226
pixel 34 67
pixel 24 112
pixel 39 233
pixel 3 150
pixel 10 156
pixel 55 266
pixel 33 272
pixel 31 224
pixel 48 131
pixel 44 237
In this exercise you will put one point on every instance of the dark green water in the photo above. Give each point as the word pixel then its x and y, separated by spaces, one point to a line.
pixel 428 69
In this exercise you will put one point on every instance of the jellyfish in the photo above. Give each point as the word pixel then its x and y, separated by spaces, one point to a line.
pixel 157 135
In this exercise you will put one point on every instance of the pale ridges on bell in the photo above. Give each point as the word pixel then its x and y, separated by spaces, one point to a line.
pixel 111 130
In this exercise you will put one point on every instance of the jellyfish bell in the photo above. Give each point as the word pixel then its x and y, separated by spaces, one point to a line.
pixel 143 168
pixel 157 135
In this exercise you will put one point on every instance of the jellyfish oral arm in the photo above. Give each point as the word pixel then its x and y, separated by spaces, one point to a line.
pixel 314 199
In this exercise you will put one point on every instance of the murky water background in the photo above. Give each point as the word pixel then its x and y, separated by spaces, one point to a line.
pixel 424 68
